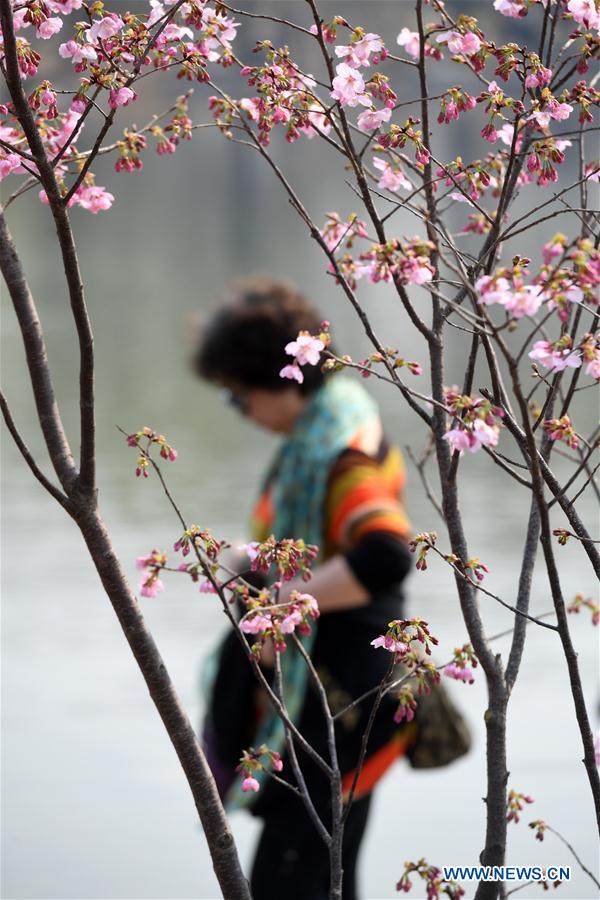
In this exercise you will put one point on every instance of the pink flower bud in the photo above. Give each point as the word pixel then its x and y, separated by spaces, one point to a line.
pixel 250 784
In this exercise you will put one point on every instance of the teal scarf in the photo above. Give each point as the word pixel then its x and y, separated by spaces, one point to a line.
pixel 299 473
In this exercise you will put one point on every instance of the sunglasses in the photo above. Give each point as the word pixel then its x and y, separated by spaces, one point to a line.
pixel 239 401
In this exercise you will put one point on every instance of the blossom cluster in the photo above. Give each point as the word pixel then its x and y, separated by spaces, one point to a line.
pixel 562 430
pixel 401 633
pixel 289 557
pixel 109 52
pixel 436 886
pixel 516 804
pixel 201 539
pixel 476 422
pixel 276 620
pixel 151 437
pixel 401 262
pixel 423 542
pixel 580 602
pixel 306 350
pixel 251 762
pixel 151 566
pixel 540 827
pixel 391 355
pixel 462 665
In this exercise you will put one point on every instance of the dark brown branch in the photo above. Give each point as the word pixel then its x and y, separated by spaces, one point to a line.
pixel 86 479
pixel 37 361
pixel 26 454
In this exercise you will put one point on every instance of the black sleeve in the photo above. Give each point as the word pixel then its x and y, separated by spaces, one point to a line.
pixel 379 560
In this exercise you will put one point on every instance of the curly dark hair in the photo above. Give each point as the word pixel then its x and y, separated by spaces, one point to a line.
pixel 245 339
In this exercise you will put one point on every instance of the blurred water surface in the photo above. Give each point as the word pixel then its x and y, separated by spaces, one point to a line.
pixel 94 803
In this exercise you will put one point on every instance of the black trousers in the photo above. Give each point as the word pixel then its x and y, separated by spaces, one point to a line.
pixel 292 862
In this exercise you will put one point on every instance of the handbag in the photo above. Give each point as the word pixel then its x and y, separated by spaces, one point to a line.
pixel 443 734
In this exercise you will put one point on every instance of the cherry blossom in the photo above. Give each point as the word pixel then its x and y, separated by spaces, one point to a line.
pixel 48 28
pixel 10 163
pixel 467 44
pixel 292 371
pixel 78 53
pixel 95 198
pixel 525 301
pixel 349 87
pixel 306 348
pixel 250 784
pixel 459 674
pixel 358 53
pixel 554 356
pixel 389 643
pixel 472 439
pixel 585 12
pixel 104 28
pixel 121 97
pixel 392 178
pixel 492 290
pixel 410 41
pixel 371 119
pixel 511 8
pixel 562 430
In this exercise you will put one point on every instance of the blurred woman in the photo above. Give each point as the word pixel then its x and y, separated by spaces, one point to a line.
pixel 337 483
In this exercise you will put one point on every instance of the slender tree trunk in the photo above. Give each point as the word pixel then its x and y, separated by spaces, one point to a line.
pixel 220 840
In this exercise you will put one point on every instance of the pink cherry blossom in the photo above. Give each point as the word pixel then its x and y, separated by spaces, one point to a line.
pixel 8 164
pixel 559 111
pixel 349 87
pixel 585 12
pixel 207 587
pixel 294 372
pixel 151 585
pixel 460 198
pixel 121 97
pixel 506 134
pixel 250 784
pixel 553 359
pixel 391 178
pixel 250 549
pixel 410 41
pixel 371 119
pixel 539 78
pixel 416 270
pixel 358 54
pixel 389 643
pixel 551 250
pixel 525 301
pixel 460 674
pixel 510 8
pixel 77 52
pixel 255 624
pixel 458 438
pixel 306 349
pixel 95 198
pixel 48 28
pixel 467 44
pixel 317 122
pixel 593 366
pixel 492 290
pixel 486 434
pixel 481 434
pixel 105 28
pixel 64 6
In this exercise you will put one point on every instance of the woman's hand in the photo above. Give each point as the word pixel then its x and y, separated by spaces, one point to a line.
pixel 333 585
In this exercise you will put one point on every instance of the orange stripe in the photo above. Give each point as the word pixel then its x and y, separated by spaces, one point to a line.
pixel 394 522
pixel 378 764
pixel 366 491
